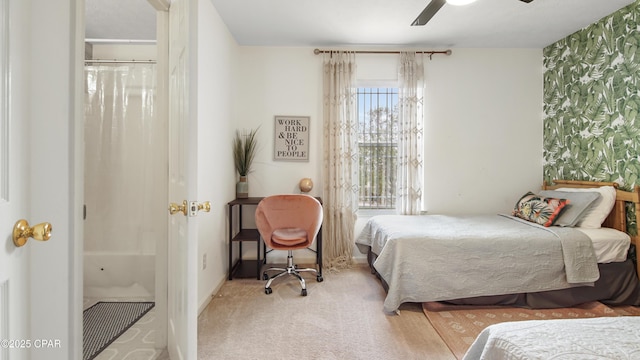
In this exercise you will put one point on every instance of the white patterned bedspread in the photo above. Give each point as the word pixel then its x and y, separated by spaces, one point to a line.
pixel 440 257
pixel 580 339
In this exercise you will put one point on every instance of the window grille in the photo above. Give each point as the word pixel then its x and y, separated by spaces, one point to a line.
pixel 378 147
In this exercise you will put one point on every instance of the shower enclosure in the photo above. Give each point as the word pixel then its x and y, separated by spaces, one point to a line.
pixel 125 181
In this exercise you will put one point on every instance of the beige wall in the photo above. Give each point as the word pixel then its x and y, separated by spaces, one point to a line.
pixel 279 81
pixel 483 143
pixel 217 58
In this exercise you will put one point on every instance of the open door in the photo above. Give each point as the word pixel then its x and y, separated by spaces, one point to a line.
pixel 182 250
pixel 14 180
pixel 40 298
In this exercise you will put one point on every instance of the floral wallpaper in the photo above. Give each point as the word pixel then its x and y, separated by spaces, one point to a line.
pixel 592 102
pixel 591 120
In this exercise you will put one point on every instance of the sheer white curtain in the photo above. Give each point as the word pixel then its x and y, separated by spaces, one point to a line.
pixel 125 160
pixel 410 139
pixel 340 175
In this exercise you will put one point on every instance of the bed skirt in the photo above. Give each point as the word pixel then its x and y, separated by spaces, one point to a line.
pixel 618 285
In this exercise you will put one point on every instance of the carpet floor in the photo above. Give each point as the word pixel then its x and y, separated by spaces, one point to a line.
pixel 459 325
pixel 341 318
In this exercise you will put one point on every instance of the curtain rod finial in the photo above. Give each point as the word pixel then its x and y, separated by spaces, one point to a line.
pixel 448 52
pixel 316 51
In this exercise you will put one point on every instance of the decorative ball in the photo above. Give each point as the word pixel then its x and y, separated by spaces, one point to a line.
pixel 306 185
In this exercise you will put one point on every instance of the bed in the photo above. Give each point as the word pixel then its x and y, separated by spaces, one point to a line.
pixel 594 338
pixel 503 259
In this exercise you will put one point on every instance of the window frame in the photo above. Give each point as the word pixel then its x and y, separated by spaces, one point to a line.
pixel 389 89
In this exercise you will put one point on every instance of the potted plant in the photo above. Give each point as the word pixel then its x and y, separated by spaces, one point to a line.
pixel 244 150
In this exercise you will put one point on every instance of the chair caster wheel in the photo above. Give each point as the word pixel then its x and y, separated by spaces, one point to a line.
pixel 304 292
pixel 319 278
pixel 268 290
pixel 265 276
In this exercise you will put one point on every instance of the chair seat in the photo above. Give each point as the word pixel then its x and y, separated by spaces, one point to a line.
pixel 289 236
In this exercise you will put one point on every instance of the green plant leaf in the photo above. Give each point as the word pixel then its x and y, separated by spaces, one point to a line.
pixel 244 150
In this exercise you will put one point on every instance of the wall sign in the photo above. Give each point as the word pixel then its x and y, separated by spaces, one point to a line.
pixel 291 138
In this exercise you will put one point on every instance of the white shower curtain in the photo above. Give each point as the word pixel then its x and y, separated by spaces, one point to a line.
pixel 125 160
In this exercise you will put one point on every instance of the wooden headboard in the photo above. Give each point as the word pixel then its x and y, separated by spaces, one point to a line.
pixel 617 219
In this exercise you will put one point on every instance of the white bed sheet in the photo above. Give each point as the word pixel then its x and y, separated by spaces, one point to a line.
pixel 609 245
pixel 566 339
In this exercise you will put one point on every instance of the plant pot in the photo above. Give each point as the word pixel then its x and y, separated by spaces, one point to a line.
pixel 242 188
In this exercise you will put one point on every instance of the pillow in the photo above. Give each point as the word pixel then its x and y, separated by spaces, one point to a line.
pixel 579 204
pixel 539 209
pixel 594 217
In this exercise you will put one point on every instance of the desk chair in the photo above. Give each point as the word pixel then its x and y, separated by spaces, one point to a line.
pixel 288 222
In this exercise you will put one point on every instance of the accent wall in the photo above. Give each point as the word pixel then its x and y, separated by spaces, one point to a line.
pixel 591 103
pixel 592 100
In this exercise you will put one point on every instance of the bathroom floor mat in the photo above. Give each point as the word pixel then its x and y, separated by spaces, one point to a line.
pixel 104 322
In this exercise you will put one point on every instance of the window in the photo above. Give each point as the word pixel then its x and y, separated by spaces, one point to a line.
pixel 378 147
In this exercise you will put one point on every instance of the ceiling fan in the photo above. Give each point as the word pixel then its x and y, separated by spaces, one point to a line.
pixel 435 5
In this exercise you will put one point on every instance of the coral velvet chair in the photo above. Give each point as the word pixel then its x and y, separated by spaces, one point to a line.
pixel 289 222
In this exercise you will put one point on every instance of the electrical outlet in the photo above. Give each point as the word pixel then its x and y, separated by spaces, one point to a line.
pixel 204 261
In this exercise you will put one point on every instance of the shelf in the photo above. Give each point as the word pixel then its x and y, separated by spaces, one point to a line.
pixel 247 235
pixel 243 268
pixel 246 268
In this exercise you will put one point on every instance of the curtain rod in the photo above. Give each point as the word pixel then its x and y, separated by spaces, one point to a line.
pixel 120 41
pixel 431 53
pixel 120 61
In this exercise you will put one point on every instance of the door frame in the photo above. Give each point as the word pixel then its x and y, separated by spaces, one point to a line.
pixel 59 313
pixel 77 173
pixel 162 110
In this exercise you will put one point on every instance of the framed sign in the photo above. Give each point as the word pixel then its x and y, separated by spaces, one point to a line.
pixel 291 138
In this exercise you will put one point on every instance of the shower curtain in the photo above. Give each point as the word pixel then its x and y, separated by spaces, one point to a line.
pixel 125 164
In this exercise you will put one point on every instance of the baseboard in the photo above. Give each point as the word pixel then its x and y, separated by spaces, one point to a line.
pixel 207 299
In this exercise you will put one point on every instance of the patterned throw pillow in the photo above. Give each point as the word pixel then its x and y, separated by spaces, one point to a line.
pixel 539 209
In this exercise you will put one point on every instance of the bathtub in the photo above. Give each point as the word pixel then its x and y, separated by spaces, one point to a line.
pixel 119 275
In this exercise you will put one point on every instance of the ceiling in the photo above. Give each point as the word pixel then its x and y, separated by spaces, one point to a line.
pixel 120 20
pixel 372 23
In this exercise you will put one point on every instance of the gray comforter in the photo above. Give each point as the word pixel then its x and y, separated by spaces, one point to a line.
pixel 439 257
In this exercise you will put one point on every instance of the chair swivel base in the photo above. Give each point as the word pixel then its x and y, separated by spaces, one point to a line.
pixel 291 269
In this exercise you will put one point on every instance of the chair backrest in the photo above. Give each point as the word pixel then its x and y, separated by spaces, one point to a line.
pixel 289 211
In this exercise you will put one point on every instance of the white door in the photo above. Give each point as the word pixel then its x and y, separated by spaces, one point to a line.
pixel 14 261
pixel 182 254
pixel 38 283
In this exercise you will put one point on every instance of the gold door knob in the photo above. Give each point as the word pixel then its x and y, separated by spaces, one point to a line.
pixel 22 232
pixel 205 206
pixel 175 208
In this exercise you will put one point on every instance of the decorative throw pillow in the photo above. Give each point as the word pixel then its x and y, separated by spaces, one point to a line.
pixel 596 214
pixel 579 205
pixel 539 209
